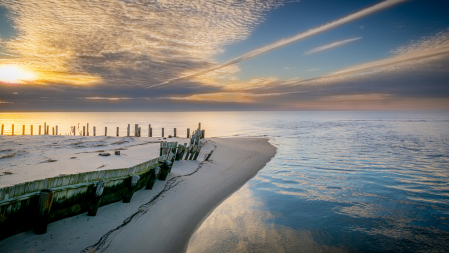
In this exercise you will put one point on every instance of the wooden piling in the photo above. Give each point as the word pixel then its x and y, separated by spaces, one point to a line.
pixel 31 130
pixel 23 129
pixel 188 132
pixel 56 129
pixel 154 175
pixel 199 126
pixel 203 133
pixel 39 129
pixel 52 130
pixel 149 131
pixel 45 128
pixel 174 132
pixel 131 188
pixel 117 131
pixel 166 167
pixel 136 126
pixel 95 131
pixel 87 129
pixel 139 131
pixel 208 156
pixel 128 130
pixel 48 130
pixel 43 212
pixel 12 129
pixel 96 198
pixel 105 131
pixel 3 128
pixel 179 152
pixel 84 131
pixel 162 132
pixel 197 152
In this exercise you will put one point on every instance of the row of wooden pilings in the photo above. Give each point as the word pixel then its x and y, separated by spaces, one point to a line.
pixel 45 132
pixel 85 132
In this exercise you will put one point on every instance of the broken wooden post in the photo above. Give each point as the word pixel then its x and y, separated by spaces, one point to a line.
pixel 84 131
pixel 131 189
pixel 136 129
pixel 162 132
pixel 188 132
pixel 207 157
pixel 45 128
pixel 43 211
pixel 138 132
pixel 203 133
pixel 56 129
pixel 95 131
pixel 105 131
pixel 12 129
pixel 153 177
pixel 197 152
pixel 128 130
pixel 199 126
pixel 193 152
pixel 96 199
pixel 39 129
pixel 48 130
pixel 23 129
pixel 151 132
pixel 179 152
pixel 117 131
pixel 31 130
pixel 87 128
pixel 174 132
pixel 166 167
pixel 52 130
pixel 3 127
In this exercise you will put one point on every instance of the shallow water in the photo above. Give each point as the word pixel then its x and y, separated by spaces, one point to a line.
pixel 340 182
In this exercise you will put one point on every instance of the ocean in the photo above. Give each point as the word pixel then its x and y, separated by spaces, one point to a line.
pixel 340 181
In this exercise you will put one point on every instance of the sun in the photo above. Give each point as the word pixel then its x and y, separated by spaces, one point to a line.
pixel 15 74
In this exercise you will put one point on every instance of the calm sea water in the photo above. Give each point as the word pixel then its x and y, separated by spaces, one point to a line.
pixel 340 182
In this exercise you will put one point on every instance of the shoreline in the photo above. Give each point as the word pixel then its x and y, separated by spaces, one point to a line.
pixel 163 219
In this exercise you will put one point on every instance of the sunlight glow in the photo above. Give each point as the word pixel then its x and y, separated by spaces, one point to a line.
pixel 15 74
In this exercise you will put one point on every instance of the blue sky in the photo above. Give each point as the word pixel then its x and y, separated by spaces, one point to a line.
pixel 93 55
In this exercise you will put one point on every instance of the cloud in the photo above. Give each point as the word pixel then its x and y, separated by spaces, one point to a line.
pixel 125 43
pixel 223 97
pixel 331 45
pixel 300 36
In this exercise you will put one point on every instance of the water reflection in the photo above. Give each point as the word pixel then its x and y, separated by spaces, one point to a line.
pixel 241 225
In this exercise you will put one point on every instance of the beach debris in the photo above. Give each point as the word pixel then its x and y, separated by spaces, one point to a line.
pixel 117 152
pixel 104 154
pixel 73 157
pixel 101 166
pixel 8 156
pixel 7 173
pixel 49 161
pixel 169 136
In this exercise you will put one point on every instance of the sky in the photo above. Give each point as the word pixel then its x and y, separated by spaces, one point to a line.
pixel 207 55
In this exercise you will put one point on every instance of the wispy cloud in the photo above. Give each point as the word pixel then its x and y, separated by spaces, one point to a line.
pixel 331 45
pixel 127 43
pixel 300 36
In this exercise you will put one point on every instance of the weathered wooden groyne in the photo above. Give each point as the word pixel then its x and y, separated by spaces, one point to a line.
pixel 32 205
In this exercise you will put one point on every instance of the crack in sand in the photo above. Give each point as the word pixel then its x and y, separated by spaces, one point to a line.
pixel 105 240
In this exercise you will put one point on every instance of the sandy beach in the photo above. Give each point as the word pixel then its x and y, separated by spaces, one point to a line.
pixel 158 220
